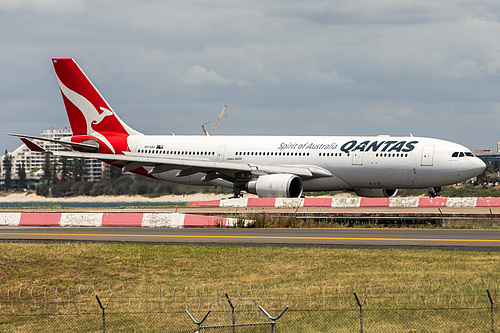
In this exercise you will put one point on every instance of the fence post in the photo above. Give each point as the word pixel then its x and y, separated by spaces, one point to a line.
pixel 234 316
pixel 198 323
pixel 360 304
pixel 492 302
pixel 103 307
pixel 273 319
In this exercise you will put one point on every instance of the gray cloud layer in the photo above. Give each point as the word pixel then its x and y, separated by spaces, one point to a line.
pixel 282 67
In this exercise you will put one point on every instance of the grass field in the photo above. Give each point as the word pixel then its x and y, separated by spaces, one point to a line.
pixel 64 264
pixel 303 275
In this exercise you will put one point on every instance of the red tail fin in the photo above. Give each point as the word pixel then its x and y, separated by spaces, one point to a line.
pixel 88 112
pixel 90 116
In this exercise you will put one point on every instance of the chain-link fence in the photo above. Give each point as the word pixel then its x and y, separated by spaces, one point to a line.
pixel 433 306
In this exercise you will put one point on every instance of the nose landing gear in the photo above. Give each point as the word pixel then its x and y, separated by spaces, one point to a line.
pixel 434 191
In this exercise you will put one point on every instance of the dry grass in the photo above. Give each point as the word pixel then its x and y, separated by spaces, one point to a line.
pixel 236 268
pixel 70 264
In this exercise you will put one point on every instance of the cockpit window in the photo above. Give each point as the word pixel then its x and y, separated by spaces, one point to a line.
pixel 462 154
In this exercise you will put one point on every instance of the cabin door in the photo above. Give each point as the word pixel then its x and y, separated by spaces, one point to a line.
pixel 357 158
pixel 221 153
pixel 428 155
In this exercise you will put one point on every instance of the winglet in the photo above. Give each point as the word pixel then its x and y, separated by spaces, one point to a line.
pixel 32 146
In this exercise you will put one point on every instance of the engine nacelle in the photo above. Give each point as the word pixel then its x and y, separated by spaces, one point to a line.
pixel 276 185
pixel 376 192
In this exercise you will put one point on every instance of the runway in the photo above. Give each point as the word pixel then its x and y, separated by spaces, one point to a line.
pixel 445 239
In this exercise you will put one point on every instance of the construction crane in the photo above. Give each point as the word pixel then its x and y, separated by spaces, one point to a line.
pixel 217 123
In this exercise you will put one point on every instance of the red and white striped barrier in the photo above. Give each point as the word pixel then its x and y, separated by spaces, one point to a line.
pixel 353 202
pixel 82 219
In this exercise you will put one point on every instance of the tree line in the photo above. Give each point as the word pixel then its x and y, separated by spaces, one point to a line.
pixel 68 177
pixel 7 167
pixel 53 172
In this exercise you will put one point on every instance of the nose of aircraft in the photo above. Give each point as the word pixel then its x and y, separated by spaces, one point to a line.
pixel 471 167
pixel 478 165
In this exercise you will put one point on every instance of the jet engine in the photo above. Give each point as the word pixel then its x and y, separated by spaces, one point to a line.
pixel 376 192
pixel 276 185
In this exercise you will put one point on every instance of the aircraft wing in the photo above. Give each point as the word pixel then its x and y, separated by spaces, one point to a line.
pixel 213 169
pixel 229 171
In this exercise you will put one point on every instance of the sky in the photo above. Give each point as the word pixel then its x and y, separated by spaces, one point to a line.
pixel 282 67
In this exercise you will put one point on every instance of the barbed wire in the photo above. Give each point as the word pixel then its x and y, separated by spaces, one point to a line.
pixel 247 298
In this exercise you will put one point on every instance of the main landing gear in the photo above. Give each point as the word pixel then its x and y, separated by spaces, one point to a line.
pixel 237 193
pixel 434 191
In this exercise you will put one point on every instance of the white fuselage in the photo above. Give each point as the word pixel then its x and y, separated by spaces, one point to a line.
pixel 354 162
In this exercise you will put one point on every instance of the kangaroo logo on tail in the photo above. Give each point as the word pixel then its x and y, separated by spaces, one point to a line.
pixel 88 113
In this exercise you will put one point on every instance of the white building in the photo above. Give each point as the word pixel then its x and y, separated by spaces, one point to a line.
pixel 34 161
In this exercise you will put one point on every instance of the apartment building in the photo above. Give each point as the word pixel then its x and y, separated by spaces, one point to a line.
pixel 34 161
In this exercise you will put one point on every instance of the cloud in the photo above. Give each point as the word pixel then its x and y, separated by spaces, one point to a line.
pixel 389 114
pixel 43 6
pixel 200 76
pixel 371 67
pixel 330 77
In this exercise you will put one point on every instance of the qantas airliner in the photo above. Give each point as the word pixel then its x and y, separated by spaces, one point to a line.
pixel 269 166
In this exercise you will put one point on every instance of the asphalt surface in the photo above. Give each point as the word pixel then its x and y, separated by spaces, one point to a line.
pixel 445 239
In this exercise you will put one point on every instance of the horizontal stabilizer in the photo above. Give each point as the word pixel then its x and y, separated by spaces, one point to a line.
pixel 72 144
pixel 32 146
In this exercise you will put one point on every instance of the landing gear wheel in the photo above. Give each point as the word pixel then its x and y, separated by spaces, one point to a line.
pixel 237 193
pixel 434 191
